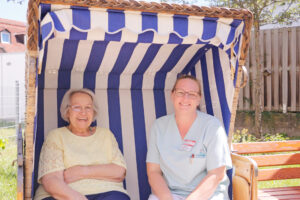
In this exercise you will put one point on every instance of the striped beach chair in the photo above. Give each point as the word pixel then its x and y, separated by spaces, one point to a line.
pixel 130 54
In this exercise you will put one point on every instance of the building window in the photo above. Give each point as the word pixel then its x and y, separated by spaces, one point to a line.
pixel 20 38
pixel 5 37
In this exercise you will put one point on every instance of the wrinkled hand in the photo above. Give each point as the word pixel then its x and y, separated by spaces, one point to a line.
pixel 73 174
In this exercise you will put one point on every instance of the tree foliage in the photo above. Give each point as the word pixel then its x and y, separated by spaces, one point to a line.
pixel 266 11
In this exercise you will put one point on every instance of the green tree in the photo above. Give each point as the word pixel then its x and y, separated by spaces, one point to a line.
pixel 264 12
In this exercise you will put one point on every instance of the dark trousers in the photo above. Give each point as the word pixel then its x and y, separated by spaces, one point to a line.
pixel 113 195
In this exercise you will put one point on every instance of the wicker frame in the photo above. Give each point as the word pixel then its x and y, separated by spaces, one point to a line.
pixel 32 53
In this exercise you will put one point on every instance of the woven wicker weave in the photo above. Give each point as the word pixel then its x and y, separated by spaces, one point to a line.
pixel 32 51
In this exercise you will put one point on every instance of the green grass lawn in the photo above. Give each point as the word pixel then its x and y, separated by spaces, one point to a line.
pixel 8 170
pixel 278 183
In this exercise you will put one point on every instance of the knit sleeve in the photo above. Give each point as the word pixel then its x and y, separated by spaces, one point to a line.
pixel 117 156
pixel 51 156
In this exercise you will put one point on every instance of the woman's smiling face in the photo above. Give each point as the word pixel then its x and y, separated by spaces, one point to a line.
pixel 80 111
pixel 186 96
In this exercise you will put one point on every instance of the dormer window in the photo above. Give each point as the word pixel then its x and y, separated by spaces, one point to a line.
pixel 5 37
pixel 20 38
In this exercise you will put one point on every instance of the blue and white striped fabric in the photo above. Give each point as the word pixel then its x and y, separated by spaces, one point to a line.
pixel 131 60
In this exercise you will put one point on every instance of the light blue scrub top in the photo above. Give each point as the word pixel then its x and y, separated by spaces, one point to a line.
pixel 185 163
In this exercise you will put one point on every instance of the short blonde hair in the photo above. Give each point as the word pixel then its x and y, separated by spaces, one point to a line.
pixel 66 102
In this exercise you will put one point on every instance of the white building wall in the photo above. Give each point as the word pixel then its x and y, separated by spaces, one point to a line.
pixel 12 69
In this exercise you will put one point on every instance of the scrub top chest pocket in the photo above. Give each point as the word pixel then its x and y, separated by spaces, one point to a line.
pixel 195 151
pixel 197 157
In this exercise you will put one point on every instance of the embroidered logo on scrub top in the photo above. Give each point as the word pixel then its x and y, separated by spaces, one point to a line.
pixel 187 145
pixel 200 154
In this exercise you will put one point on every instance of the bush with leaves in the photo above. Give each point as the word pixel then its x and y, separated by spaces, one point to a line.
pixel 274 137
pixel 241 136
pixel 2 143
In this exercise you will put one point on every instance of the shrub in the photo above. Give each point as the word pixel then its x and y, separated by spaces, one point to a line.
pixel 2 143
pixel 241 136
pixel 276 137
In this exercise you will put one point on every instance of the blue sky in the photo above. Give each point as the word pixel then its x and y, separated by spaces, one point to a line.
pixel 13 10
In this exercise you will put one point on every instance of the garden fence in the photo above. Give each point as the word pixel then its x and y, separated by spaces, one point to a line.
pixel 280 59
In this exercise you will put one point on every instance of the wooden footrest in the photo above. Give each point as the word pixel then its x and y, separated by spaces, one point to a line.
pixel 281 193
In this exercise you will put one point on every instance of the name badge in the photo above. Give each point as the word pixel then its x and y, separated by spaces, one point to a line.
pixel 187 145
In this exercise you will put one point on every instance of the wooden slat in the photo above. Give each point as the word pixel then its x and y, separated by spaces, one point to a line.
pixel 264 147
pixel 241 103
pixel 284 197
pixel 278 174
pixel 247 87
pixel 287 193
pixel 298 66
pixel 280 192
pixel 276 68
pixel 262 60
pixel 284 54
pixel 269 68
pixel 280 197
pixel 293 57
pixel 279 189
pixel 275 160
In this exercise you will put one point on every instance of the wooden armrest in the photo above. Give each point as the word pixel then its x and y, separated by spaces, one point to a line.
pixel 245 177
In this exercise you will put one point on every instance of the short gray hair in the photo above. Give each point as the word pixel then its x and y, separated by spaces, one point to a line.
pixel 66 102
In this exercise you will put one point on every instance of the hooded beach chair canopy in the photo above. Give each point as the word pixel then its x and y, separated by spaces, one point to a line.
pixel 130 56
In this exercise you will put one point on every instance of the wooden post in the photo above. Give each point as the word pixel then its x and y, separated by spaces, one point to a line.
pixel 20 161
pixel 284 54
pixel 30 114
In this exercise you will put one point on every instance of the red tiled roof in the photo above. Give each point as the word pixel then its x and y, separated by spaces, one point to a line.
pixel 13 22
pixel 15 28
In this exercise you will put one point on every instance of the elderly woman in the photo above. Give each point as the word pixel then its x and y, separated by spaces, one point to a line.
pixel 188 152
pixel 79 161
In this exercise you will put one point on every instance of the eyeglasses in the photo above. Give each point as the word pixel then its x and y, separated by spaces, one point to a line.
pixel 190 94
pixel 77 108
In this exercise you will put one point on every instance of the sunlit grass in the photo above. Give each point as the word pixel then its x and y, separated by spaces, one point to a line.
pixel 278 183
pixel 8 169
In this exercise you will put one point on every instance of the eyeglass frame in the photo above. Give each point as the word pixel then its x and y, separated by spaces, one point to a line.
pixel 189 94
pixel 81 108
